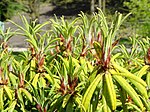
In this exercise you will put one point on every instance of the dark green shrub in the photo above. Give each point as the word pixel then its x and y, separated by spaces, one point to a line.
pixel 8 8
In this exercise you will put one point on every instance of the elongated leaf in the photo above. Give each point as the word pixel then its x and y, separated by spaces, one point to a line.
pixel 8 92
pixel 104 98
pixel 12 78
pixel 1 99
pixel 89 92
pixel 148 79
pixel 49 77
pixel 35 80
pixel 65 101
pixel 140 88
pixel 23 108
pixel 42 82
pixel 146 103
pixel 20 96
pixel 33 43
pixel 129 90
pixel 65 61
pixel 39 26
pixel 12 106
pixel 111 101
pixel 126 73
pixel 71 66
pixel 28 95
pixel 78 101
pixel 69 107
pixel 32 68
pixel 83 63
pixel 142 71
pixel 134 106
pixel 123 98
pixel 98 49
pixel 52 41
pixel 148 82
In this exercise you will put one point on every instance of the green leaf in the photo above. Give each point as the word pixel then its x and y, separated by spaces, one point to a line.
pixel 35 80
pixel 32 68
pixel 142 71
pixel 126 86
pixel 20 96
pixel 140 88
pixel 69 107
pixel 78 101
pixel 28 95
pixel 12 78
pixel 1 99
pixel 89 92
pixel 134 106
pixel 71 66
pixel 126 73
pixel 42 82
pixel 98 49
pixel 49 76
pixel 11 106
pixel 148 79
pixel 39 26
pixel 65 100
pixel 8 92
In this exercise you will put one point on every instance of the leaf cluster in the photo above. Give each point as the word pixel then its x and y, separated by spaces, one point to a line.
pixel 76 66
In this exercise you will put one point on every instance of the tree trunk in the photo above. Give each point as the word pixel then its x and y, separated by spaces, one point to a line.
pixel 92 6
pixel 104 5
pixel 100 4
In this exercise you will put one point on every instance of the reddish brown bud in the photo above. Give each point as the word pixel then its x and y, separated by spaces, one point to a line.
pixel 148 53
pixel 5 45
pixel 129 99
pixel 75 82
pixel 39 108
pixel 107 61
pixel 84 51
pixel 99 38
pixel 32 51
pixel 69 48
pixel 62 85
pixel 62 39
pixel 45 109
pixel 57 48
pixel 21 78
pixel 115 43
pixel 41 64
pixel 1 71
pixel 147 57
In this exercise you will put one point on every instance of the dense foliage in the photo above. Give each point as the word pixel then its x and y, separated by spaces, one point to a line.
pixel 78 66
pixel 8 8
pixel 141 15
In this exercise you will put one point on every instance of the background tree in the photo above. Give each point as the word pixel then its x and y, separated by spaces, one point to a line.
pixel 92 6
pixel 8 8
pixel 100 3
pixel 140 15
pixel 32 8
